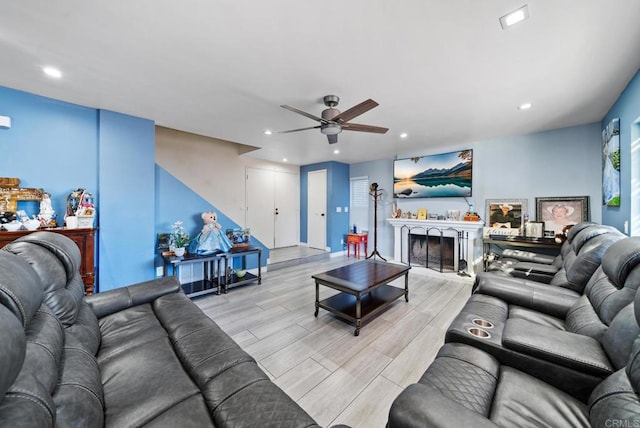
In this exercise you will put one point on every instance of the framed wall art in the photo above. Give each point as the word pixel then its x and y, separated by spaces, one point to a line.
pixel 557 212
pixel 432 176
pixel 611 164
pixel 505 213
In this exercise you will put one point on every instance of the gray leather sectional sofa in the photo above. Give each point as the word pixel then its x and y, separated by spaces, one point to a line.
pixel 143 355
pixel 529 354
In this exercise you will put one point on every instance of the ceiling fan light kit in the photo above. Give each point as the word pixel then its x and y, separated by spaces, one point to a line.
pixel 330 129
pixel 333 122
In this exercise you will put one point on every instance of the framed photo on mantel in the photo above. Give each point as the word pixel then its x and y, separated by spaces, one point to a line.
pixel 557 212
pixel 505 213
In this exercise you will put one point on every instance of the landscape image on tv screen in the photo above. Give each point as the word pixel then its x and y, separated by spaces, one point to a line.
pixel 432 176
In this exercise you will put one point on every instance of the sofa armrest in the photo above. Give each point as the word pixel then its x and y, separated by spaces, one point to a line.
pixel 550 299
pixel 423 406
pixel 581 353
pixel 527 256
pixel 112 301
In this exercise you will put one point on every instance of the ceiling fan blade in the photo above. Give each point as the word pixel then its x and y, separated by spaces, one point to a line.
pixel 304 113
pixel 355 111
pixel 333 138
pixel 299 129
pixel 364 128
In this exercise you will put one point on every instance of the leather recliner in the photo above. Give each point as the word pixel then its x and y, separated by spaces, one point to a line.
pixel 533 265
pixel 559 346
pixel 466 386
pixel 142 355
pixel 589 245
pixel 579 260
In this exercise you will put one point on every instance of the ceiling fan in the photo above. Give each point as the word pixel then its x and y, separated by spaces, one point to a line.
pixel 334 122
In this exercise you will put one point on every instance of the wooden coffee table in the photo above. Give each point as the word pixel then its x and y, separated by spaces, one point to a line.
pixel 364 289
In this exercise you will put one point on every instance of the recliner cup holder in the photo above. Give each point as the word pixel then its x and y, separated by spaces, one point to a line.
pixel 478 332
pixel 482 323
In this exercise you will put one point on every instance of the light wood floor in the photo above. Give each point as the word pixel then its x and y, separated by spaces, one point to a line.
pixel 336 377
pixel 277 255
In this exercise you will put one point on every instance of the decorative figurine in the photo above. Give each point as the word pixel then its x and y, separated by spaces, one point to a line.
pixel 46 215
pixel 211 239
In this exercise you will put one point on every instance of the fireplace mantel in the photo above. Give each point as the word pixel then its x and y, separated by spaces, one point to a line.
pixel 471 229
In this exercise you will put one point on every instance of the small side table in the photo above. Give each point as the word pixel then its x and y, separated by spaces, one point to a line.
pixel 211 272
pixel 230 278
pixel 356 239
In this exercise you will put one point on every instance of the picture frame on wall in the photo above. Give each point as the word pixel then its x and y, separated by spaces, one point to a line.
pixel 558 212
pixel 611 164
pixel 505 213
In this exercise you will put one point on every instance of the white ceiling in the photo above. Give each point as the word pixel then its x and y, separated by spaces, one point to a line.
pixel 443 71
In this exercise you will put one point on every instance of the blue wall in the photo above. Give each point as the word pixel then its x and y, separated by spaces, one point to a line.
pixel 51 145
pixel 126 181
pixel 174 201
pixel 627 108
pixel 337 196
pixel 61 147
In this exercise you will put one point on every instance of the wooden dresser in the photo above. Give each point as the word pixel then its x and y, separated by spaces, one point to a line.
pixel 84 238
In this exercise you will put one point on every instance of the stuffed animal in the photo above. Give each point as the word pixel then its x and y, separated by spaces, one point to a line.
pixel 211 240
pixel 561 237
pixel 210 222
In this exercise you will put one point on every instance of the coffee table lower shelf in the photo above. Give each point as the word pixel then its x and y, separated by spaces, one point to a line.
pixel 346 305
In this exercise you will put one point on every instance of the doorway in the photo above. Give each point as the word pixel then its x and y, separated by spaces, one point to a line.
pixel 273 207
pixel 316 209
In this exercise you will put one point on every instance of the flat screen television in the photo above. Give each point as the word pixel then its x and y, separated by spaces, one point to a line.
pixel 433 176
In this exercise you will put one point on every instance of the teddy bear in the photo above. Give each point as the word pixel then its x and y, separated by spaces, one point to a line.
pixel 210 222
pixel 211 240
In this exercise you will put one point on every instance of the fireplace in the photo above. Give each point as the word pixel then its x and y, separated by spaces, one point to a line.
pixel 434 252
pixel 464 236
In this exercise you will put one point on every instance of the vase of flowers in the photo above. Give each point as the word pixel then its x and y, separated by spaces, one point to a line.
pixel 179 239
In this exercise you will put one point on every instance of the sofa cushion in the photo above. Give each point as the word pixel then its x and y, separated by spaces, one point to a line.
pixel 45 339
pixel 13 349
pixel 85 332
pixel 22 297
pixel 260 405
pixel 136 346
pixel 236 391
pixel 28 401
pixel 63 294
pixel 78 397
pixel 464 374
pixel 518 312
pixel 524 401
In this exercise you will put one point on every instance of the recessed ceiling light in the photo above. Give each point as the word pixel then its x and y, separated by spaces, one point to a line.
pixel 525 106
pixel 268 132
pixel 52 72
pixel 404 135
pixel 336 151
pixel 284 159
pixel 514 17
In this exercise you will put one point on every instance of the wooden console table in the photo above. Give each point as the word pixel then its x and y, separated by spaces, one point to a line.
pixel 84 239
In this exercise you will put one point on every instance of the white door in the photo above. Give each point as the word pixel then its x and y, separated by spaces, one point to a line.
pixel 317 209
pixel 273 207
pixel 260 213
pixel 287 209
